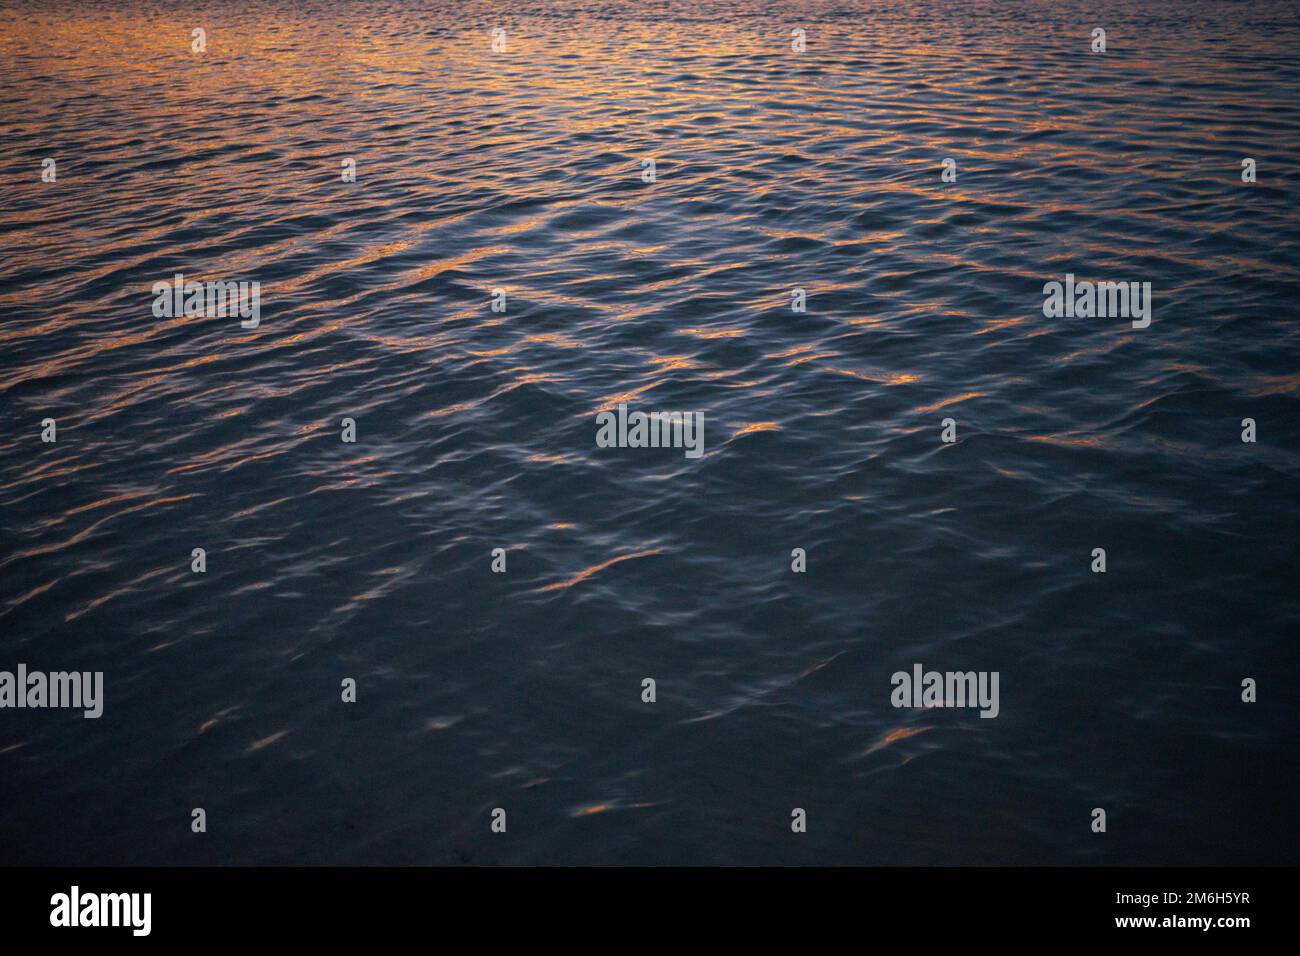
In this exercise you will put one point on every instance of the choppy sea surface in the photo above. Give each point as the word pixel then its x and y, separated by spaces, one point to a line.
pixel 521 171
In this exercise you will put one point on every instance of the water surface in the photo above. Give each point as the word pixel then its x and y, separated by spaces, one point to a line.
pixel 521 171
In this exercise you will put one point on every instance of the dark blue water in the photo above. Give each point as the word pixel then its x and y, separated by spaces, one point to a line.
pixel 521 171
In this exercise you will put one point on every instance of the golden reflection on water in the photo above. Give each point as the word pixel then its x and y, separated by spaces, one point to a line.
pixel 894 736
pixel 427 111
pixel 596 569
pixel 950 400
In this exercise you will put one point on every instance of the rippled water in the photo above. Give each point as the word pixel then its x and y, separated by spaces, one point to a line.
pixel 521 171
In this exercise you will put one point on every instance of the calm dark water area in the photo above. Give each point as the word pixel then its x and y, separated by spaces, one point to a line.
pixel 521 171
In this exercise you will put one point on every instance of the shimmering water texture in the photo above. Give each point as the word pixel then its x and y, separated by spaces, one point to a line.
pixel 521 171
